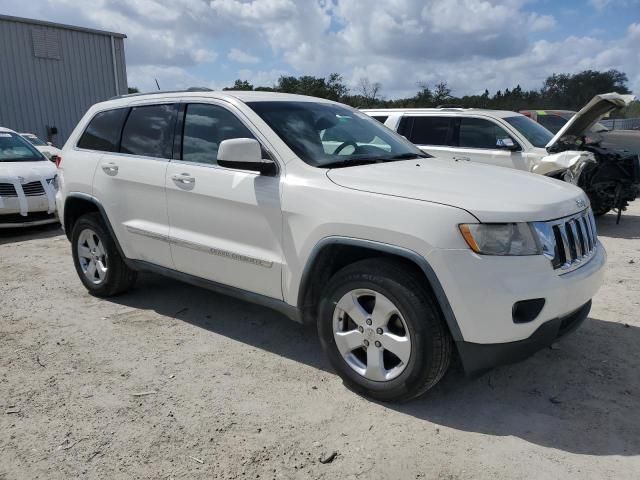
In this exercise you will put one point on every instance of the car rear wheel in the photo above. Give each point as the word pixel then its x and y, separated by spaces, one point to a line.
pixel 97 260
pixel 382 330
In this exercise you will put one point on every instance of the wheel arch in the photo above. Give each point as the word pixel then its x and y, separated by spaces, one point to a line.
pixel 332 253
pixel 77 204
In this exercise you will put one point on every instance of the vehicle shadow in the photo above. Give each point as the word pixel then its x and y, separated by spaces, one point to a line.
pixel 227 316
pixel 13 235
pixel 629 226
pixel 582 397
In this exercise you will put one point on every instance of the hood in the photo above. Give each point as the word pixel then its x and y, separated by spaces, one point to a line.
pixel 591 113
pixel 490 193
pixel 30 171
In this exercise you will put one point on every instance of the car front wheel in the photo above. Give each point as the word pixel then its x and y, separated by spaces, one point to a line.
pixel 382 330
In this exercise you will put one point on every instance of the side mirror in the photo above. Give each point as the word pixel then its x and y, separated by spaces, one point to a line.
pixel 244 154
pixel 507 144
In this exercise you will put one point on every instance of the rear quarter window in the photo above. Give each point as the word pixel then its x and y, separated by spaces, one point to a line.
pixel 103 132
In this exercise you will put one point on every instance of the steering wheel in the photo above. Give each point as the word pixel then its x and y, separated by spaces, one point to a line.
pixel 345 144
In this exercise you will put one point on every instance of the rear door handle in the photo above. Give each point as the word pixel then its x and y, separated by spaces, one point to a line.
pixel 462 159
pixel 110 168
pixel 183 178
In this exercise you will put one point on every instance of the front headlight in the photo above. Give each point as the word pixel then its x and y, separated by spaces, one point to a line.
pixel 501 238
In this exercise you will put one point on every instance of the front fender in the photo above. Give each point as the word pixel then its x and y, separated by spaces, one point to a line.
pixel 570 163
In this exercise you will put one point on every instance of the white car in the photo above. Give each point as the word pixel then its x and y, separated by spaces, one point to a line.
pixel 501 137
pixel 46 148
pixel 314 209
pixel 27 183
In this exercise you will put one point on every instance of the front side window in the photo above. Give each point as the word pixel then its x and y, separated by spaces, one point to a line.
pixel 481 133
pixel 148 131
pixel 103 132
pixel 205 126
pixel 327 135
pixel 14 148
pixel 429 130
pixel 537 135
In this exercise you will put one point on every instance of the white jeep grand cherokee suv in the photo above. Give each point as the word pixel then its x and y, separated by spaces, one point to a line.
pixel 316 210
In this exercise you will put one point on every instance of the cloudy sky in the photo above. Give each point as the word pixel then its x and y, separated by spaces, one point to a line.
pixel 472 44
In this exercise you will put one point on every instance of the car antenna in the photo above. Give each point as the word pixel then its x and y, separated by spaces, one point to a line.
pixel 157 84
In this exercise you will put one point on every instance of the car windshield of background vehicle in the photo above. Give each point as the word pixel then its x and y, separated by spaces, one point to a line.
pixel 537 135
pixel 553 123
pixel 326 135
pixel 14 148
pixel 35 140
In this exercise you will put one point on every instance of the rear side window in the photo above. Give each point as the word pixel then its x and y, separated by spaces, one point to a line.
pixel 480 133
pixel 426 130
pixel 148 131
pixel 205 126
pixel 103 131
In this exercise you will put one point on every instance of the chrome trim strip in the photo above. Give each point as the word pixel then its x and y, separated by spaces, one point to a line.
pixel 200 247
pixel 220 253
pixel 148 234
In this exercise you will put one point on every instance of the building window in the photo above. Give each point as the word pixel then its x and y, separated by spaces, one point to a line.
pixel 46 43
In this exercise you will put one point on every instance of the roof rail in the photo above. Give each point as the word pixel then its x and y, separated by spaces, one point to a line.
pixel 160 92
pixel 450 106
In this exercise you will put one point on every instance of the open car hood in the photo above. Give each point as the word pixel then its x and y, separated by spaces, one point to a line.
pixel 588 115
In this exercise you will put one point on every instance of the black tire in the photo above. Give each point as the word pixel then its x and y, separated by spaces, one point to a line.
pixel 118 278
pixel 431 344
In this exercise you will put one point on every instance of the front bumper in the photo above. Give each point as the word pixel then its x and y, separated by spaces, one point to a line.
pixel 482 291
pixel 478 357
pixel 32 219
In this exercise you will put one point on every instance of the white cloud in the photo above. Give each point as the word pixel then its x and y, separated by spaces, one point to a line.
pixel 240 56
pixel 599 4
pixel 471 44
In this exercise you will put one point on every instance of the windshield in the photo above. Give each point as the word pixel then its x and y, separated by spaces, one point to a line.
pixel 537 135
pixel 326 135
pixel 554 122
pixel 35 140
pixel 14 148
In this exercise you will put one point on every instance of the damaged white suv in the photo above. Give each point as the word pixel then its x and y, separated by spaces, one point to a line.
pixel 316 210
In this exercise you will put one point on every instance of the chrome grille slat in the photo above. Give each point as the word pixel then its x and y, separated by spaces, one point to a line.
pixel 587 228
pixel 573 242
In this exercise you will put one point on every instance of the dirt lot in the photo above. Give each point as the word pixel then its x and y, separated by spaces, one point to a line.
pixel 171 381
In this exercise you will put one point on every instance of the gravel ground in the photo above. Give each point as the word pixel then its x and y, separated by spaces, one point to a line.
pixel 172 381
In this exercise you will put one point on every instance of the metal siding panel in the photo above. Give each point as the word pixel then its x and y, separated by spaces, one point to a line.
pixel 43 91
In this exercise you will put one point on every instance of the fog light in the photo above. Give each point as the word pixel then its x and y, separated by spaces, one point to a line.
pixel 527 310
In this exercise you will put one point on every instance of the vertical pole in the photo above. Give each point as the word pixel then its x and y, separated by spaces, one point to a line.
pixel 115 65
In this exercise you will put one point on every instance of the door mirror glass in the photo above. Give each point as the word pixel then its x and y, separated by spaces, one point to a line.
pixel 506 143
pixel 244 154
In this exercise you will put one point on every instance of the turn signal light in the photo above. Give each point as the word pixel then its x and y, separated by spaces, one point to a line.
pixel 57 159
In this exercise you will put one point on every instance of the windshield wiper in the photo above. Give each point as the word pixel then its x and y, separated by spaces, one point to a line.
pixel 406 156
pixel 351 163
pixel 366 161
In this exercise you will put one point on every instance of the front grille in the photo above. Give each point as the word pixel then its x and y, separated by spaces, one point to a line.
pixel 31 189
pixel 569 242
pixel 7 190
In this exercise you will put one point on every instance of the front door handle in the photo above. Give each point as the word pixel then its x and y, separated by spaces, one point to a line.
pixel 183 178
pixel 110 168
pixel 462 159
